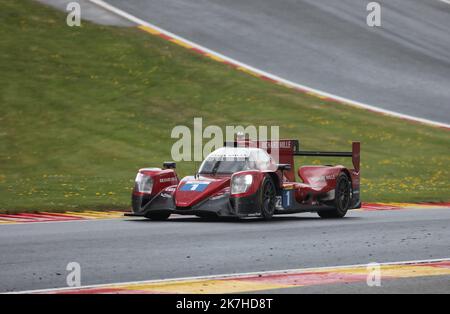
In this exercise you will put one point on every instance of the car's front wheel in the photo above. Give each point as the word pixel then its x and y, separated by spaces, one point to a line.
pixel 341 200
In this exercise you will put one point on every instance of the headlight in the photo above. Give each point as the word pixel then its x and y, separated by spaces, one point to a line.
pixel 144 183
pixel 240 184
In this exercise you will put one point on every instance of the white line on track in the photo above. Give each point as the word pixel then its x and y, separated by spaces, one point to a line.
pixel 347 101
pixel 225 276
pixel 445 1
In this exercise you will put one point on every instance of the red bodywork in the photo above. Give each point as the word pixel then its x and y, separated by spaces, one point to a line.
pixel 189 198
pixel 317 181
pixel 315 189
pixel 162 179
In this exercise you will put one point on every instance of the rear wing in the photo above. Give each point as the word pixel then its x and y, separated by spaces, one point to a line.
pixel 284 150
pixel 355 154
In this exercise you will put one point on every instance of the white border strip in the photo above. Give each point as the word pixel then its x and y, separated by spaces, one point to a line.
pixel 445 1
pixel 138 21
pixel 227 276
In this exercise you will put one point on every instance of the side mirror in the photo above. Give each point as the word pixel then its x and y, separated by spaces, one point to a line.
pixel 284 167
pixel 169 165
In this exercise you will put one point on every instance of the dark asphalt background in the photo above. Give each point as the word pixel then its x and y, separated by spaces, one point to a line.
pixel 404 66
pixel 35 256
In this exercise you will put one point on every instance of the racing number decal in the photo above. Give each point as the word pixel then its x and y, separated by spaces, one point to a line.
pixel 194 186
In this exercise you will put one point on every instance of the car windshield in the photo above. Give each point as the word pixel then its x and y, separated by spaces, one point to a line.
pixel 228 160
pixel 213 165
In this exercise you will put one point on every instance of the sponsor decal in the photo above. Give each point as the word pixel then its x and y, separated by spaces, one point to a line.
pixel 281 144
pixel 164 180
pixel 324 178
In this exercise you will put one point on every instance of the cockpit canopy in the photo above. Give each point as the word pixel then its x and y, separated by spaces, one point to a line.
pixel 228 160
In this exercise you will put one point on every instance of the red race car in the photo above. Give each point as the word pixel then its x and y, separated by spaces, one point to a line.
pixel 243 179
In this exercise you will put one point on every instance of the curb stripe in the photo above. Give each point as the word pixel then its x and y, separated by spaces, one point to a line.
pixel 149 30
pixel 57 217
pixel 402 206
pixel 260 281
pixel 154 30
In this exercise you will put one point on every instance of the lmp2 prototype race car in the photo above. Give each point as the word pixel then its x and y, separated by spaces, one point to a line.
pixel 243 179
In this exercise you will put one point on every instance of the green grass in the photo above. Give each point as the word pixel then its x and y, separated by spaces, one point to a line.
pixel 81 109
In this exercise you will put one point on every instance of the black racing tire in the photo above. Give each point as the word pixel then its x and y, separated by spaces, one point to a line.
pixel 267 198
pixel 157 216
pixel 342 199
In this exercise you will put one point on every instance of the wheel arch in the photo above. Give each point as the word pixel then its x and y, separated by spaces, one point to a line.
pixel 276 181
pixel 345 170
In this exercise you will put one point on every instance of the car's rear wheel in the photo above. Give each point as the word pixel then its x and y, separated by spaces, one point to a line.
pixel 267 199
pixel 341 199
pixel 157 216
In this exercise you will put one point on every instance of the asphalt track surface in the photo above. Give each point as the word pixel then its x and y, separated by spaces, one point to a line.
pixel 90 11
pixel 403 66
pixel 35 256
